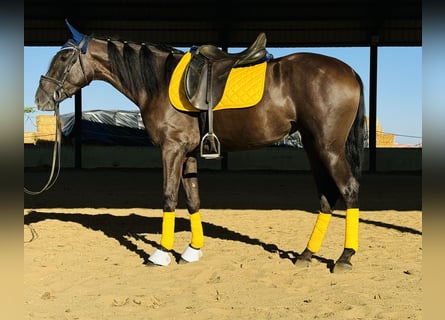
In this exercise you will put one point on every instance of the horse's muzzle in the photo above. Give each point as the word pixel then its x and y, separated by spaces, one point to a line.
pixel 45 104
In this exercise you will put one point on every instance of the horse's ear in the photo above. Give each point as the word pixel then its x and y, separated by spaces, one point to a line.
pixel 77 36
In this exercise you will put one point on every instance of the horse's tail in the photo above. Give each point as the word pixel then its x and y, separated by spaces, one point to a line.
pixel 355 141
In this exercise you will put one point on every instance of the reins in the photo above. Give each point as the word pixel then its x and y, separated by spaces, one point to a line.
pixel 56 158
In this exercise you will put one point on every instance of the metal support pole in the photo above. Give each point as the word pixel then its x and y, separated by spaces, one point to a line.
pixel 373 104
pixel 78 129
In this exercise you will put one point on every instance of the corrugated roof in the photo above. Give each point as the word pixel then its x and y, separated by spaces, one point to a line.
pixel 287 23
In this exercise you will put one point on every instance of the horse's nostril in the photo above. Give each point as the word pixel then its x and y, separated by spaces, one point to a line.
pixel 48 105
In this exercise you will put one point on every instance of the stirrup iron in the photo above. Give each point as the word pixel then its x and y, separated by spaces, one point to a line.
pixel 214 146
pixel 212 141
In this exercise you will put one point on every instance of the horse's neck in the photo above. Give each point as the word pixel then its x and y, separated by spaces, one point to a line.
pixel 101 65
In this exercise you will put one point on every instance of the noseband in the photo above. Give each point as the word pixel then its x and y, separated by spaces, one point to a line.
pixel 60 93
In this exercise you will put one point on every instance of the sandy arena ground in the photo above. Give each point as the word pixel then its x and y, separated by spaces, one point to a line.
pixel 86 242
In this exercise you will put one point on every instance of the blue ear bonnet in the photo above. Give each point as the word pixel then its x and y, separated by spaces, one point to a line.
pixel 76 39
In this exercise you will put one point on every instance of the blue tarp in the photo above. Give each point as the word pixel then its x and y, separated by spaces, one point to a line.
pixel 121 127
pixel 108 127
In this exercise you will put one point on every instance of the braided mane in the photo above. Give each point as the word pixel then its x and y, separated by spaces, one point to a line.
pixel 137 67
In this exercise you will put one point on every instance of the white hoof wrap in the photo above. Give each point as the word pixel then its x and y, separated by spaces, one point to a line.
pixel 160 258
pixel 191 255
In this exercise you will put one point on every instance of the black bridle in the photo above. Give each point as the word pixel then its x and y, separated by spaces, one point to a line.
pixel 60 93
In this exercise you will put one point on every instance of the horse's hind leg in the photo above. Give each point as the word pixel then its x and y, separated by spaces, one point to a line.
pixel 190 184
pixel 348 187
pixel 332 169
pixel 328 194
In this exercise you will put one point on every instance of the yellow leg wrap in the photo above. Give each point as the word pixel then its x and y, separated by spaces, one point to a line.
pixel 168 230
pixel 197 233
pixel 351 233
pixel 321 225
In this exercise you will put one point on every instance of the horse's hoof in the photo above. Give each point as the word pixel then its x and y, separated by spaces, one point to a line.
pixel 152 264
pixel 190 255
pixel 302 263
pixel 160 258
pixel 342 267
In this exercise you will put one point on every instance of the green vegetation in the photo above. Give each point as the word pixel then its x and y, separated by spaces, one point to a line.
pixel 30 109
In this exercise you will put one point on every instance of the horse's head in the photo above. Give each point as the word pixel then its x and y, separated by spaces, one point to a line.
pixel 66 73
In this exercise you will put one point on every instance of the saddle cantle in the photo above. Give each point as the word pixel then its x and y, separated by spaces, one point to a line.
pixel 209 67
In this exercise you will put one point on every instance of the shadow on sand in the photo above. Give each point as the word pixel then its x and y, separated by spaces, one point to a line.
pixel 133 226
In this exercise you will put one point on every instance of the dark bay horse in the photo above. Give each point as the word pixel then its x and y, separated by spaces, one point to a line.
pixel 319 96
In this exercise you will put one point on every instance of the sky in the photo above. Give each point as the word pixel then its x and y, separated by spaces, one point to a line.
pixel 399 90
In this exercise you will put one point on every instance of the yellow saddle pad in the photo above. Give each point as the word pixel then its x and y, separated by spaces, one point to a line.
pixel 244 87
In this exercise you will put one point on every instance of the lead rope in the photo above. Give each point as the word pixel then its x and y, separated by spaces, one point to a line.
pixel 56 157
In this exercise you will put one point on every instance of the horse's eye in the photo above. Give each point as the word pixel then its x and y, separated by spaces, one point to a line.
pixel 64 57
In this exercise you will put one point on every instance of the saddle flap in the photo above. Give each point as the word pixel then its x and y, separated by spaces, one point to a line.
pixel 204 81
pixel 195 81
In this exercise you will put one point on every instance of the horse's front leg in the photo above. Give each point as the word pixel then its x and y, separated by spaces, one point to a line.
pixel 190 184
pixel 172 161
